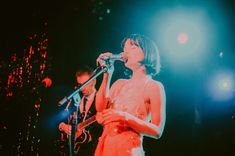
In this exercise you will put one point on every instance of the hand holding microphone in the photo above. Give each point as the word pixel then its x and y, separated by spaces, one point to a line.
pixel 107 60
pixel 108 57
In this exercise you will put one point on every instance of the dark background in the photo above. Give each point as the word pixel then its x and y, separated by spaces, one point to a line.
pixel 79 30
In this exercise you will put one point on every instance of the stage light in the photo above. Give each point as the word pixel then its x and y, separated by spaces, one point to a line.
pixel 182 38
pixel 184 34
pixel 221 86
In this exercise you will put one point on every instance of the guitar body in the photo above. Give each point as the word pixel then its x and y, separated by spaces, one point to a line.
pixel 82 135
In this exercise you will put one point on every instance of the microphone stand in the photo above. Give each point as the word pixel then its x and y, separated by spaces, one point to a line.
pixel 76 98
pixel 74 121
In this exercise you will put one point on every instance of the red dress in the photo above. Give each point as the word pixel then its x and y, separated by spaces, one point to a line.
pixel 118 139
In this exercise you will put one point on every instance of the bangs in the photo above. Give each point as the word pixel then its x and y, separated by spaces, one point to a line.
pixel 151 53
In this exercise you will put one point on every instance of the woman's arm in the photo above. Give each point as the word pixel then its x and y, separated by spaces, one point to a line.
pixel 101 97
pixel 156 94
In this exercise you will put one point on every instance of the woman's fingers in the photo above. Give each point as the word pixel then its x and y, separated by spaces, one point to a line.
pixel 99 118
pixel 100 60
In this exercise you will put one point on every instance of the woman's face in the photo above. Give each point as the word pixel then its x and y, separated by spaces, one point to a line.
pixel 133 53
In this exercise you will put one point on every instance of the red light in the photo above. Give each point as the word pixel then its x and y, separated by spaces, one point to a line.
pixel 182 38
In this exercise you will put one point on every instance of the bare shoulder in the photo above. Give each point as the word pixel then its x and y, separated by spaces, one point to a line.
pixel 154 85
pixel 155 93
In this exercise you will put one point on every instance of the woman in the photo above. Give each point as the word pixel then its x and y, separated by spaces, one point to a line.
pixel 135 107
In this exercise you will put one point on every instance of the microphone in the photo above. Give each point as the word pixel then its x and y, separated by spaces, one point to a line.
pixel 113 57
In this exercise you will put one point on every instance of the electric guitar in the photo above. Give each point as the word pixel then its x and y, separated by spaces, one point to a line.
pixel 81 135
pixel 79 139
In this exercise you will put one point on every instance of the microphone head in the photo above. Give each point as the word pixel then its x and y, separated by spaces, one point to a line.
pixel 116 56
pixel 113 57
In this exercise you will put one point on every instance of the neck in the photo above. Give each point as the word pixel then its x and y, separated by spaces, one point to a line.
pixel 139 73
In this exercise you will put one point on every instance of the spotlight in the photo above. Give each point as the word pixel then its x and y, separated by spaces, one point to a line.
pixel 182 38
pixel 221 86
pixel 184 34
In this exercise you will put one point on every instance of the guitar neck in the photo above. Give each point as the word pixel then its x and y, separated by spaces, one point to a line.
pixel 87 122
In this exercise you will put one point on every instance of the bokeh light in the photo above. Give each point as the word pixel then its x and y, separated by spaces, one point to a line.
pixel 221 85
pixel 183 38
pixel 184 34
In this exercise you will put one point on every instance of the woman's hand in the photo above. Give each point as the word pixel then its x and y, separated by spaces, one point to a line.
pixel 111 115
pixel 65 128
pixel 106 63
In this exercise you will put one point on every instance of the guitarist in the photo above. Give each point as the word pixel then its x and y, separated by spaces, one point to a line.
pixel 87 138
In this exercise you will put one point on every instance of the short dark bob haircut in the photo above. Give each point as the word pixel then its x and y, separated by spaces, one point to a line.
pixel 151 53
